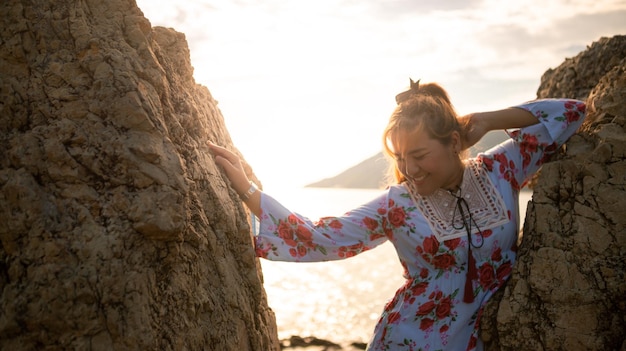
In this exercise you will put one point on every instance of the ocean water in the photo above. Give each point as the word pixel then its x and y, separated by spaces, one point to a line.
pixel 338 301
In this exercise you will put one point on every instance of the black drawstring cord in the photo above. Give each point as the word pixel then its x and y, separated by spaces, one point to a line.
pixel 466 222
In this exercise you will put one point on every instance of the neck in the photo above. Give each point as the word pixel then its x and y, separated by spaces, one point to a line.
pixel 456 180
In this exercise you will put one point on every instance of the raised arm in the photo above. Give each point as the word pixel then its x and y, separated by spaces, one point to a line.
pixel 237 176
pixel 476 125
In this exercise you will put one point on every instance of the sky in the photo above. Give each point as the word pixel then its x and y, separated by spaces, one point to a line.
pixel 306 87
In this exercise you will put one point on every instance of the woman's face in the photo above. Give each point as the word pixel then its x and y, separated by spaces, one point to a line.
pixel 426 162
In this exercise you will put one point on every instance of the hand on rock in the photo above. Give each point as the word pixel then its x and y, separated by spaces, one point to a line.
pixel 231 164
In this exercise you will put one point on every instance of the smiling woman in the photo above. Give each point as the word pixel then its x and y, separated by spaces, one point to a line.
pixel 453 222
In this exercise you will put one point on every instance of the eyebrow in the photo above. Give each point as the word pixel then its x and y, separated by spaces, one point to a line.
pixel 413 152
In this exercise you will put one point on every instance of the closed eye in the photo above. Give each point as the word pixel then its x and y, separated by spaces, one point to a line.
pixel 419 157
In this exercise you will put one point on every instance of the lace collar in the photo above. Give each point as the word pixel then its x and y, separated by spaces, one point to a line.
pixel 485 203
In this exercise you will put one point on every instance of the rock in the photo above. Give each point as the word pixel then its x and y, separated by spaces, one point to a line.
pixel 117 230
pixel 298 342
pixel 568 289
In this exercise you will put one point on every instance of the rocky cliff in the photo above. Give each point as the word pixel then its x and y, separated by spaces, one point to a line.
pixel 568 290
pixel 117 230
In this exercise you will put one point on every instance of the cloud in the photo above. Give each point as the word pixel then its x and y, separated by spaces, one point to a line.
pixel 519 49
pixel 402 8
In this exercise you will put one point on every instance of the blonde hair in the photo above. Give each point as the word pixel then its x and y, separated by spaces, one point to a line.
pixel 424 107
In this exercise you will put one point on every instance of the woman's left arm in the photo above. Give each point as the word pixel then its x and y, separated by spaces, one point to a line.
pixel 566 112
pixel 476 125
pixel 536 129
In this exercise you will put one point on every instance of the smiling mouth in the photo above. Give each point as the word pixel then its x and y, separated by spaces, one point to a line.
pixel 418 179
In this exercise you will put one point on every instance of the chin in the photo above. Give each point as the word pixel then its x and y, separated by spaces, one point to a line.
pixel 425 191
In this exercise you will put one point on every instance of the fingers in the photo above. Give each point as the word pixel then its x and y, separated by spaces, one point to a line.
pixel 223 152
pixel 231 164
pixel 224 157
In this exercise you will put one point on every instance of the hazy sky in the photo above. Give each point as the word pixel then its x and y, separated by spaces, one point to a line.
pixel 306 87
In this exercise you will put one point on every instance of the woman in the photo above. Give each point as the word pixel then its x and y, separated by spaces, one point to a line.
pixel 453 221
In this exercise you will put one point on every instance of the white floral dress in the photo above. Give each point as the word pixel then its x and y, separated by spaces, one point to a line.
pixel 439 306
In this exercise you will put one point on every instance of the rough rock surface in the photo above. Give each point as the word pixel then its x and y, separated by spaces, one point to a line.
pixel 117 230
pixel 568 290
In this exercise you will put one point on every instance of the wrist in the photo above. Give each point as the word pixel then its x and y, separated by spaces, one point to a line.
pixel 248 193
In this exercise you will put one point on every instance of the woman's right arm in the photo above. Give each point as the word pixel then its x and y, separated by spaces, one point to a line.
pixel 287 236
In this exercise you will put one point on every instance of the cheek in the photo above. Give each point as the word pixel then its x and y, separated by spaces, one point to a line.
pixel 431 165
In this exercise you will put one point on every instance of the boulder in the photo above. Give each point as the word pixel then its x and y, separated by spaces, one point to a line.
pixel 117 229
pixel 568 289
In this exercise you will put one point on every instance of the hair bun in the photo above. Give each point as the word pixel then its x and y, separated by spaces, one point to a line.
pixel 428 89
pixel 413 90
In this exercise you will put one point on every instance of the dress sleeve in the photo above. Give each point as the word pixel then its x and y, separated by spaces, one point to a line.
pixel 287 236
pixel 518 158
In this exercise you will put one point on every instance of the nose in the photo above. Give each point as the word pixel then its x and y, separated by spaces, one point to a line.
pixel 410 168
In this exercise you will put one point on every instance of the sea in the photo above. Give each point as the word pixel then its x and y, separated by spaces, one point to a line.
pixel 339 301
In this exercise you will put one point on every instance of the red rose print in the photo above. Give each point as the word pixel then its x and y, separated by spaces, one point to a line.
pixel 301 251
pixel 260 252
pixel 525 160
pixel 389 233
pixel 453 243
pixel 419 288
pixel 444 261
pixel 426 323
pixel 375 236
pixel 430 245
pixel 486 275
pixel 352 250
pixel 488 163
pixel 285 231
pixel 304 233
pixel 504 271
pixel 393 317
pixel 397 216
pixel 291 243
pixel 501 158
pixel 293 219
pixel 370 223
pixel 335 224
pixel 426 308
pixel 572 116
pixel 444 328
pixel 496 255
pixel 472 343
pixel 530 143
pixel 443 308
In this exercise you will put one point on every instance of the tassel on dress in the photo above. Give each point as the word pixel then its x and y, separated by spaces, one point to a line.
pixel 472 274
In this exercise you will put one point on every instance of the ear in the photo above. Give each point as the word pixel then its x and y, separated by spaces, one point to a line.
pixel 456 143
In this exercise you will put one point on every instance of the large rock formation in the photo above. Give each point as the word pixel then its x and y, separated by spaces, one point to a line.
pixel 117 230
pixel 568 290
